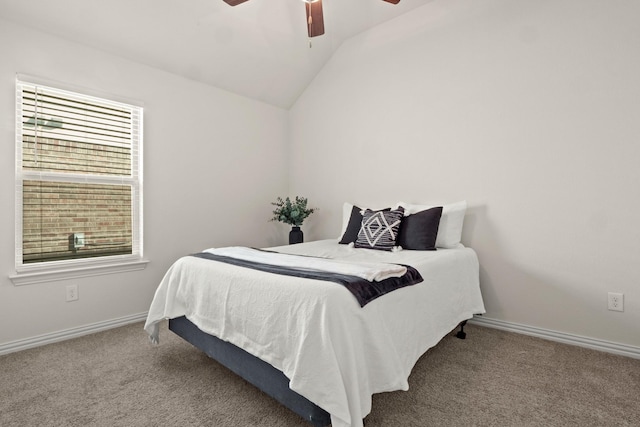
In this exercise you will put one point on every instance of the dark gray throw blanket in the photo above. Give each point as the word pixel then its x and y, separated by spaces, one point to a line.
pixel 363 290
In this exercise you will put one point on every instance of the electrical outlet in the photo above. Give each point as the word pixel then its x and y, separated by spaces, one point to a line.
pixel 616 301
pixel 72 293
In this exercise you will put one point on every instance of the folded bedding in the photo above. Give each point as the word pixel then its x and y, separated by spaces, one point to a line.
pixel 366 281
pixel 370 271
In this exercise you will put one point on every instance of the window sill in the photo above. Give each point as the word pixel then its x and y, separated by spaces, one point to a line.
pixel 42 275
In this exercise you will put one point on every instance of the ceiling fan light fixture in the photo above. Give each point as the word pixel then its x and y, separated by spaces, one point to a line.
pixel 234 2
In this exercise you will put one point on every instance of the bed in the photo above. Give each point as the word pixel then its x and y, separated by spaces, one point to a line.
pixel 309 343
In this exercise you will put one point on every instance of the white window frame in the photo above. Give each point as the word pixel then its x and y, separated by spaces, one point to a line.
pixel 47 271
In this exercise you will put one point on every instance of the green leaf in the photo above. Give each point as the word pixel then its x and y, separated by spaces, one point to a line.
pixel 291 212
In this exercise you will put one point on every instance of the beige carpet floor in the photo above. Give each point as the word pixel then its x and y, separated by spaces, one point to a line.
pixel 493 378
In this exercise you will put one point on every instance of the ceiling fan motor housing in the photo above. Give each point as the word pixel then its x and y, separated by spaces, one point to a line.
pixel 315 18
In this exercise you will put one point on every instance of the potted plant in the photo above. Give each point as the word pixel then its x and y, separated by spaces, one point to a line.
pixel 293 213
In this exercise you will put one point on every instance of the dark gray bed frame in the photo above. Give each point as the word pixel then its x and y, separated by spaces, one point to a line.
pixel 256 371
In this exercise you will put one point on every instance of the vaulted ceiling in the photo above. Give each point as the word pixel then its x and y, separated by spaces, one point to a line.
pixel 258 49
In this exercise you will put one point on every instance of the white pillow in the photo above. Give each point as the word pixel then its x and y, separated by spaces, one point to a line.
pixel 450 228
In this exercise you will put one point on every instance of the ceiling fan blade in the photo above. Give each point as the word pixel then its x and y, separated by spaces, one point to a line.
pixel 393 1
pixel 234 2
pixel 315 19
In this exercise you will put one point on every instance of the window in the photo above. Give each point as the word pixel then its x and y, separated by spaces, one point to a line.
pixel 78 184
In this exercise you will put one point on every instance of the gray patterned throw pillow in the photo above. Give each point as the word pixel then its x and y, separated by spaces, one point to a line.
pixel 379 229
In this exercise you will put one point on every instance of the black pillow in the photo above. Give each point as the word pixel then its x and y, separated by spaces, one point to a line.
pixel 420 230
pixel 355 221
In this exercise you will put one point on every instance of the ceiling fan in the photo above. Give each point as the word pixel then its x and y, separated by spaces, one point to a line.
pixel 315 19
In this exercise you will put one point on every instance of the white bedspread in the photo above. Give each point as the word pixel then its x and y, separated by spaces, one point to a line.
pixel 334 352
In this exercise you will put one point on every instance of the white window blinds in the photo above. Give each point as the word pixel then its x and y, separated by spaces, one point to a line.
pixel 78 177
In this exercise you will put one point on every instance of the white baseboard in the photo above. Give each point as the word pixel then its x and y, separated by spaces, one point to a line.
pixel 66 334
pixel 592 343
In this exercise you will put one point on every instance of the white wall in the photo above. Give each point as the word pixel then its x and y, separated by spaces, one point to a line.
pixel 213 162
pixel 528 110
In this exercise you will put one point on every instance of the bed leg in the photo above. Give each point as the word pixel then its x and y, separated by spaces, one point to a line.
pixel 461 333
